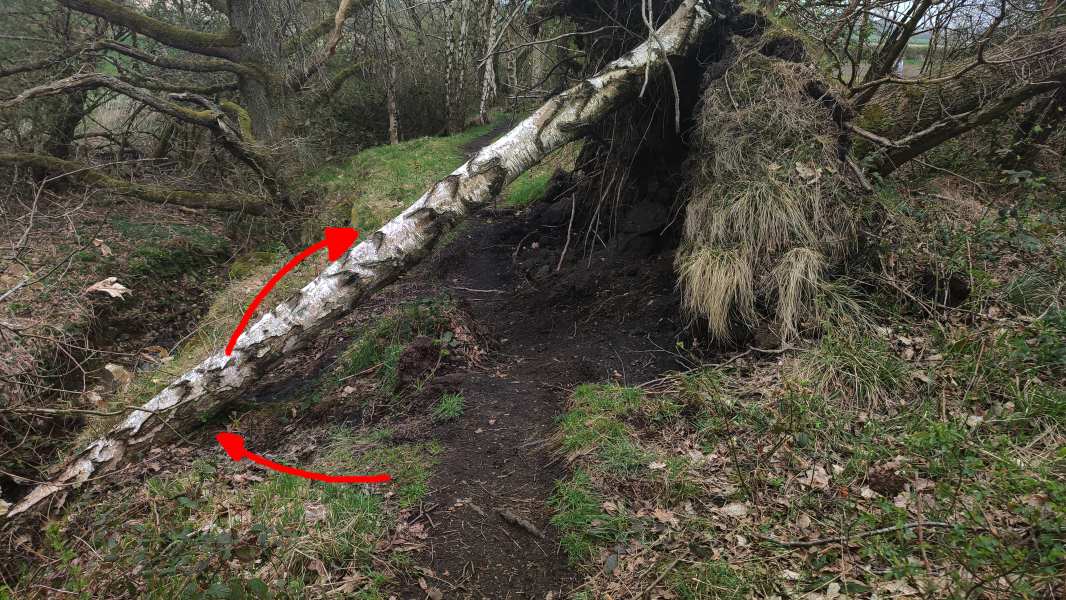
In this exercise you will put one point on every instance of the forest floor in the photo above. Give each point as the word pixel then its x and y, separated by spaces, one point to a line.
pixel 552 433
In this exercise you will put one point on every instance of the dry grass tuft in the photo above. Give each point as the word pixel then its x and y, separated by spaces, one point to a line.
pixel 765 215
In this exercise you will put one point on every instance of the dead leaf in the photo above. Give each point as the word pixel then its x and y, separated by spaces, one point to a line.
pixel 102 247
pixel 735 510
pixel 867 493
pixel 319 567
pixel 435 594
pixel 665 517
pixel 109 286
pixel 803 521
pixel 974 420
pixel 808 173
pixel 657 466
pixel 610 507
pixel 815 477
pixel 4 507
pixel 315 513
pixel 118 377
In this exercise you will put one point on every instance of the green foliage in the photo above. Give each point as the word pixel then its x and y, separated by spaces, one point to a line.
pixel 449 408
pixel 379 346
pixel 206 539
pixel 170 250
pixel 580 516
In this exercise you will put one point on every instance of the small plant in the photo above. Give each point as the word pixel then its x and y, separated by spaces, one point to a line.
pixel 449 408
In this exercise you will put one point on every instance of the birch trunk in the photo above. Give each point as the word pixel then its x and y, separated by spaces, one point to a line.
pixel 377 261
pixel 449 69
pixel 390 75
pixel 488 80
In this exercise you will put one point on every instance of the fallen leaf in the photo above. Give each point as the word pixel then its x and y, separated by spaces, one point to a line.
pixel 803 522
pixel 735 510
pixel 109 286
pixel 102 247
pixel 315 513
pixel 811 175
pixel 319 567
pixel 974 420
pixel 867 493
pixel 665 516
pixel 815 477
pixel 657 466
pixel 118 377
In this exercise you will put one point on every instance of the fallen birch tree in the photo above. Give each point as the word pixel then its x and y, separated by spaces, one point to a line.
pixel 380 259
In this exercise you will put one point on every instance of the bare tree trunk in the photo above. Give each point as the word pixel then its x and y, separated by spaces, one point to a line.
pixel 377 261
pixel 449 69
pixel 259 22
pixel 390 75
pixel 488 80
pixel 460 65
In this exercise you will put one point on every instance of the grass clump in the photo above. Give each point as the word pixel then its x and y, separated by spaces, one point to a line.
pixel 378 348
pixel 448 408
pixel 765 214
pixel 582 519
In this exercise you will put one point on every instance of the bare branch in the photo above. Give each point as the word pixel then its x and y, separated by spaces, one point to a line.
pixel 222 45
pixel 155 194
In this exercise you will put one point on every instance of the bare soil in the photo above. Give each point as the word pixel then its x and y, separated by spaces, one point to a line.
pixel 596 319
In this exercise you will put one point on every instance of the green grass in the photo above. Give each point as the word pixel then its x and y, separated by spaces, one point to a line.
pixel 978 447
pixel 368 189
pixel 376 351
pixel 580 516
pixel 376 184
pixel 220 531
pixel 449 408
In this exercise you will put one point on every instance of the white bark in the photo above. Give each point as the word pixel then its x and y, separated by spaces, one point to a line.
pixel 488 80
pixel 377 261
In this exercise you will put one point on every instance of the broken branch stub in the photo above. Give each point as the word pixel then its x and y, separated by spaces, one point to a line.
pixel 380 259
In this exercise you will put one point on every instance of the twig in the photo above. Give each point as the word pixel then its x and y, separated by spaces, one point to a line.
pixel 669 567
pixel 518 521
pixel 569 229
pixel 844 538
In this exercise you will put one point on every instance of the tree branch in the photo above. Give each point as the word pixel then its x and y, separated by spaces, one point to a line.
pixel 221 45
pixel 207 65
pixel 156 194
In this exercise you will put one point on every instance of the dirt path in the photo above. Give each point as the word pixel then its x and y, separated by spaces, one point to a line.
pixel 551 331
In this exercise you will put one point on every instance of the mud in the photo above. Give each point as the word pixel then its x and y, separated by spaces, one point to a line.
pixel 600 317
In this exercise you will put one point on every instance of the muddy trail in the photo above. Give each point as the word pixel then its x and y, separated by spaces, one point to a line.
pixel 598 319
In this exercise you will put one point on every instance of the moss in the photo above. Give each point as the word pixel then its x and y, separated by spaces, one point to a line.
pixel 155 194
pixel 244 120
pixel 178 37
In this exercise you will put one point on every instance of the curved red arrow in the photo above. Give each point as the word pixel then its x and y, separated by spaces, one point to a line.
pixel 337 241
pixel 233 444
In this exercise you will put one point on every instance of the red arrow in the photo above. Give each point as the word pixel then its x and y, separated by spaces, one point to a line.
pixel 233 444
pixel 337 241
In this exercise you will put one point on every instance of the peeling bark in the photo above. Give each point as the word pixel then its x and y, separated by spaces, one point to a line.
pixel 378 261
